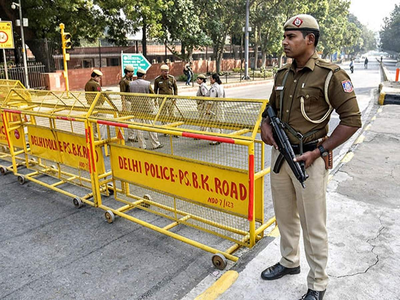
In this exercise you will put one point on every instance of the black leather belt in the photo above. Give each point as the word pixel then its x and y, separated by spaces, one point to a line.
pixel 306 147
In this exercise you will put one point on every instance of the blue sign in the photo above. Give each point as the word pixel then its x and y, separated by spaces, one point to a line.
pixel 136 60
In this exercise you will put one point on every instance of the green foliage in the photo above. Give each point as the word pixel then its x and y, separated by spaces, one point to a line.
pixel 391 31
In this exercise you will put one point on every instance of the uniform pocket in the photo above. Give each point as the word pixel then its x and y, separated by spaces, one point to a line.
pixel 315 105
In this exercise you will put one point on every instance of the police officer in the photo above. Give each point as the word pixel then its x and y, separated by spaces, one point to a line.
pixel 304 94
pixel 165 84
pixel 144 106
pixel 124 88
pixel 93 85
pixel 202 92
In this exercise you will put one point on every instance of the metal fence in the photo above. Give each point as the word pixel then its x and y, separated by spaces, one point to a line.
pixel 35 74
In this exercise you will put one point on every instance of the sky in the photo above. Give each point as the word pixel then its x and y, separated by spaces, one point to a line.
pixel 372 12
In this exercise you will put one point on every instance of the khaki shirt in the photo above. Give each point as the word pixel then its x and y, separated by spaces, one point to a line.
pixel 165 86
pixel 91 86
pixel 308 84
pixel 124 84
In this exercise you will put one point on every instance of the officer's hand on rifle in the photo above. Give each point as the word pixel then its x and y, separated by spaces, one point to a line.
pixel 308 157
pixel 266 133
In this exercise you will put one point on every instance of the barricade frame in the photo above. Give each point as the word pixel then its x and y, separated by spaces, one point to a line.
pixel 172 129
pixel 5 154
pixel 53 108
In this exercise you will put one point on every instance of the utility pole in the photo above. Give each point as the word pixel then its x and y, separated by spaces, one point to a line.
pixel 246 44
pixel 21 24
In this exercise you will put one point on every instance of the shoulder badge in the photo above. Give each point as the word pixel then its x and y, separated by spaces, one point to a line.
pixel 347 86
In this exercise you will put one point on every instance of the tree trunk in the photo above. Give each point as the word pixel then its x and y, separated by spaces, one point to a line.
pixel 42 54
pixel 256 49
pixel 264 59
pixel 144 38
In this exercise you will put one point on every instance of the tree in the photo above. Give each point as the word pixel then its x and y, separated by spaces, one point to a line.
pixel 391 31
pixel 83 19
pixel 219 21
pixel 180 24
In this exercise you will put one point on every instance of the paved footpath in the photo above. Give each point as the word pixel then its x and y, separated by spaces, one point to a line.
pixel 363 225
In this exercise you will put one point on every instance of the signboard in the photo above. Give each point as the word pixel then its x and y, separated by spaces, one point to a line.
pixel 62 147
pixel 137 60
pixel 6 35
pixel 220 188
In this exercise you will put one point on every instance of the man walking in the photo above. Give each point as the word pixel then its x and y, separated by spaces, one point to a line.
pixel 304 94
pixel 124 88
pixel 92 86
pixel 144 107
pixel 165 84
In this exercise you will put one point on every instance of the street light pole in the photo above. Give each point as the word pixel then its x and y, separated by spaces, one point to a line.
pixel 246 43
pixel 21 24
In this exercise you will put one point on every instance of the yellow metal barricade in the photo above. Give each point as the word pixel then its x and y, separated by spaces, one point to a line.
pixel 56 129
pixel 209 175
pixel 5 155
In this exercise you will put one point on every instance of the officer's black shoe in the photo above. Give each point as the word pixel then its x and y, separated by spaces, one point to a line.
pixel 313 295
pixel 277 271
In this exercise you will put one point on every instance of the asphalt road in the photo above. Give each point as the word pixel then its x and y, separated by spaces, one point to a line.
pixel 51 250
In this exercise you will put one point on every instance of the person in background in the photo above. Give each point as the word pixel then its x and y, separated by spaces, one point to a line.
pixel 144 107
pixel 92 86
pixel 165 84
pixel 215 109
pixel 202 92
pixel 366 63
pixel 305 111
pixel 124 88
pixel 188 72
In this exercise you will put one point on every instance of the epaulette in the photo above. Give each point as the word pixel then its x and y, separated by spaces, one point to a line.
pixel 326 64
pixel 285 67
pixel 157 77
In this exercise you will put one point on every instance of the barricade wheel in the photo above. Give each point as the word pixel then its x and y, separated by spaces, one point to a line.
pixel 147 197
pixel 3 170
pixel 110 188
pixel 77 202
pixel 219 261
pixel 110 217
pixel 21 179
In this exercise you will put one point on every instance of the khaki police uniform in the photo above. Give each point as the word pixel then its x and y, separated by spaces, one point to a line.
pixel 143 107
pixel 124 88
pixel 305 94
pixel 166 86
pixel 93 86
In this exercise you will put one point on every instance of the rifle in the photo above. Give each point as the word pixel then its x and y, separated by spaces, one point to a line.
pixel 285 148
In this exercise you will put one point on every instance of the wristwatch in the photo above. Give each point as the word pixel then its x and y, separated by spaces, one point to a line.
pixel 322 151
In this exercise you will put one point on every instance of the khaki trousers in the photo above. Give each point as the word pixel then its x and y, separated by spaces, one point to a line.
pixel 295 207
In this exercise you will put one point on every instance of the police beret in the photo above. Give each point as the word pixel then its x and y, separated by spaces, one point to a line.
pixel 301 22
pixel 201 76
pixel 98 72
pixel 164 68
pixel 141 71
pixel 129 68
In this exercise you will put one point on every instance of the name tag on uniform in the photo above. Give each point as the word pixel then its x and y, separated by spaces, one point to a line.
pixel 279 88
pixel 160 82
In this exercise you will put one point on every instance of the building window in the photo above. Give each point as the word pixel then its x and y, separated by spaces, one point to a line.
pixel 113 62
pixel 88 63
